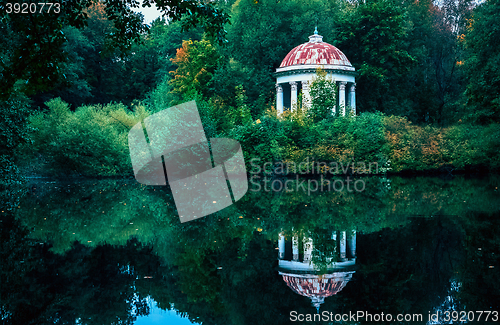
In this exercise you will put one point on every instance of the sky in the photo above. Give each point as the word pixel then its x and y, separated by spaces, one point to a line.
pixel 158 316
pixel 150 13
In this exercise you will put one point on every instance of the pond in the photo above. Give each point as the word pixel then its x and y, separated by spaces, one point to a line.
pixel 419 250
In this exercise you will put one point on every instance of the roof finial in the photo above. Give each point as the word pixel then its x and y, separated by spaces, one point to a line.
pixel 317 301
pixel 315 38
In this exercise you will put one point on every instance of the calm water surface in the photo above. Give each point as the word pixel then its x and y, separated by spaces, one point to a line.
pixel 114 252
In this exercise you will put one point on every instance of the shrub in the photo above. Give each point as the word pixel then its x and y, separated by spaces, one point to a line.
pixel 344 140
pixel 92 141
pixel 14 131
pixel 264 139
pixel 467 145
pixel 412 147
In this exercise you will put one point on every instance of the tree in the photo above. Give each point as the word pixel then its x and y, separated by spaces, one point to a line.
pixel 89 64
pixel 196 62
pixel 94 72
pixel 373 37
pixel 166 37
pixel 435 84
pixel 323 97
pixel 36 40
pixel 14 131
pixel 483 63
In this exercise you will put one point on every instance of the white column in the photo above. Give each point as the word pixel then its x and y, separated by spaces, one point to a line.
pixel 295 248
pixel 293 101
pixel 352 245
pixel 353 98
pixel 342 97
pixel 342 246
pixel 308 248
pixel 279 99
pixel 281 246
pixel 306 96
pixel 334 238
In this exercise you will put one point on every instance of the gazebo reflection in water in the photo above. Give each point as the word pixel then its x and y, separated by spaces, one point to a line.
pixel 315 274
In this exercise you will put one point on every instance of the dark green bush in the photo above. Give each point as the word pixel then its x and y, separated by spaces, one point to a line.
pixel 92 141
pixel 467 145
pixel 14 131
pixel 264 139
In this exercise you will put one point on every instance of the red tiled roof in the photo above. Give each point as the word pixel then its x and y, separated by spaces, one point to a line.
pixel 314 286
pixel 318 53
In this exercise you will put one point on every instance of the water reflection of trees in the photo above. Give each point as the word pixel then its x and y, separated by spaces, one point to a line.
pixel 63 259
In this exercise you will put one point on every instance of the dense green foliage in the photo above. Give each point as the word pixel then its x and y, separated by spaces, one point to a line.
pixel 323 97
pixel 483 62
pixel 14 131
pixel 412 59
pixel 196 63
pixel 461 147
pixel 35 42
pixel 92 141
pixel 373 37
pixel 394 143
pixel 95 75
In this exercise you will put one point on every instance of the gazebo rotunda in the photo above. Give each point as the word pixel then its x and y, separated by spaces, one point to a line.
pixel 298 69
pixel 308 279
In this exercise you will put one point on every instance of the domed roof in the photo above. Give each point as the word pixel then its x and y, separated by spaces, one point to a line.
pixel 317 287
pixel 314 54
pixel 313 285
